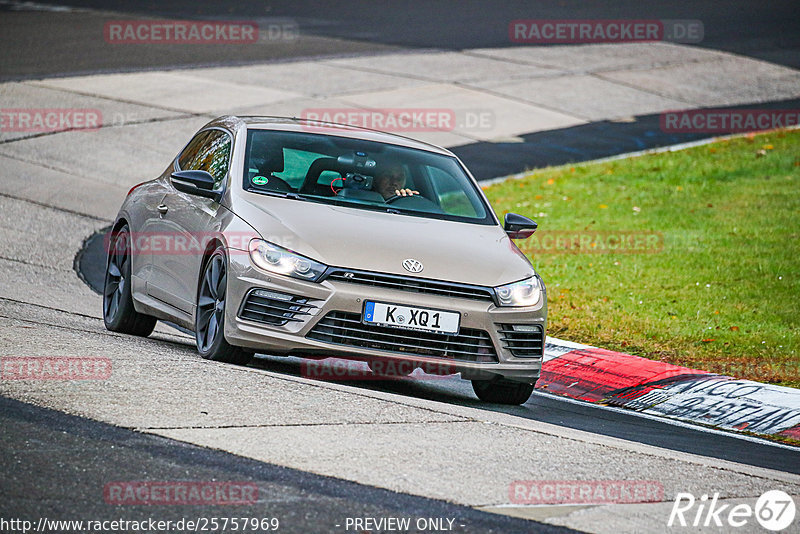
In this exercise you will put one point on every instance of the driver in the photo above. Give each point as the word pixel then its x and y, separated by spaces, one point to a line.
pixel 391 182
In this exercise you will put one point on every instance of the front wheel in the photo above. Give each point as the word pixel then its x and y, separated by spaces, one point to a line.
pixel 210 315
pixel 119 315
pixel 502 391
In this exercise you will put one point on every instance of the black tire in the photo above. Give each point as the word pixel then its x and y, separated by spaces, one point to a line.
pixel 209 323
pixel 501 391
pixel 119 314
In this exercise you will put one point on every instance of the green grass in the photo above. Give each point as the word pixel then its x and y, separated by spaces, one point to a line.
pixel 721 294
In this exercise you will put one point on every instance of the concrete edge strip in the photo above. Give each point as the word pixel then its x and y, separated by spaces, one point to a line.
pixel 477 415
pixel 656 388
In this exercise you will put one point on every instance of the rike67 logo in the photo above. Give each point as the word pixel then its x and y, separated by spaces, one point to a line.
pixel 774 510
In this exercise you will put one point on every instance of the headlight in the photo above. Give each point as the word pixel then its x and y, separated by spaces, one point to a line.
pixel 523 293
pixel 278 260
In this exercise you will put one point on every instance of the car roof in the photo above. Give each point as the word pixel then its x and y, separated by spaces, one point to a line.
pixel 294 124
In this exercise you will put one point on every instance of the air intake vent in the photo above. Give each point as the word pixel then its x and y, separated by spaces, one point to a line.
pixel 271 307
pixel 524 340
pixel 414 285
pixel 347 329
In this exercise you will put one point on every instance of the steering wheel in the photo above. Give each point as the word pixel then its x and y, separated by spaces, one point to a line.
pixel 395 197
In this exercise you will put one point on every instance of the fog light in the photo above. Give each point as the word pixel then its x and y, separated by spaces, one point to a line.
pixel 526 328
pixel 271 295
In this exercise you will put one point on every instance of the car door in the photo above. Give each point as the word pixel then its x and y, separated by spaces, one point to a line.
pixel 187 221
pixel 143 217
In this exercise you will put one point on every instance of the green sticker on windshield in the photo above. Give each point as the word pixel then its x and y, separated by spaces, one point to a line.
pixel 260 180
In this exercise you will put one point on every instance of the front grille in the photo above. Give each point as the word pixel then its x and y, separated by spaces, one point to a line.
pixel 345 328
pixel 524 341
pixel 271 307
pixel 415 285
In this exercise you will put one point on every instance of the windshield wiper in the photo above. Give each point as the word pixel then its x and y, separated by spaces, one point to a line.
pixel 280 194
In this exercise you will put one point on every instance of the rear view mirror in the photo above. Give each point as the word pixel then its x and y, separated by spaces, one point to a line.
pixel 518 226
pixel 195 183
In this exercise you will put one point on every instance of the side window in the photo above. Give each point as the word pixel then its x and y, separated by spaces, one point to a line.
pixel 211 155
pixel 191 149
pixel 452 197
pixel 296 164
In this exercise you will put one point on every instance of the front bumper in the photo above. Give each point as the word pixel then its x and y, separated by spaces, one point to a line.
pixel 327 299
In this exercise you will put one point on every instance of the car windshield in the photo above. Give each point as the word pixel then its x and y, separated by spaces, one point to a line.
pixel 361 174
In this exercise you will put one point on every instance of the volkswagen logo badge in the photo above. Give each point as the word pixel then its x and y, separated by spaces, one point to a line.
pixel 412 266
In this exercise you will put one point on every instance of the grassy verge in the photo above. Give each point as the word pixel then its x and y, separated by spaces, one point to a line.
pixel 710 278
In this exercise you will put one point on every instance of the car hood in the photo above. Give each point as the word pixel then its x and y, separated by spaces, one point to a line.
pixel 376 241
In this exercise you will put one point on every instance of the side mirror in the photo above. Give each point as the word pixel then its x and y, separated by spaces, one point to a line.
pixel 199 183
pixel 519 227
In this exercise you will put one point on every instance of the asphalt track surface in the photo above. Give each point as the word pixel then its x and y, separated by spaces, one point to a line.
pixel 65 461
pixel 767 30
pixel 69 457
pixel 591 141
pixel 53 43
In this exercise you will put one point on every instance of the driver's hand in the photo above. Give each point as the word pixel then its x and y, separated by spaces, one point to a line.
pixel 405 192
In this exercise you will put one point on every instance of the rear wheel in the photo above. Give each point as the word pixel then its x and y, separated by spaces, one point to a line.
pixel 502 391
pixel 119 315
pixel 210 316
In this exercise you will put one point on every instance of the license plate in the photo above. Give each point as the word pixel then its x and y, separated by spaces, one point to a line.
pixel 411 318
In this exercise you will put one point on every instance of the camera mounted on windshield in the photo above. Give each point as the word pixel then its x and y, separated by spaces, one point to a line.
pixel 358 161
pixel 358 181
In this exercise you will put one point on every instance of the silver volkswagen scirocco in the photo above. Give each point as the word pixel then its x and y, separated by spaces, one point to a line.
pixel 293 237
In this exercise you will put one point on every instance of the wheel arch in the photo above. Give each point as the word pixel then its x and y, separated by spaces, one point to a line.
pixel 122 221
pixel 212 245
pixel 109 237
